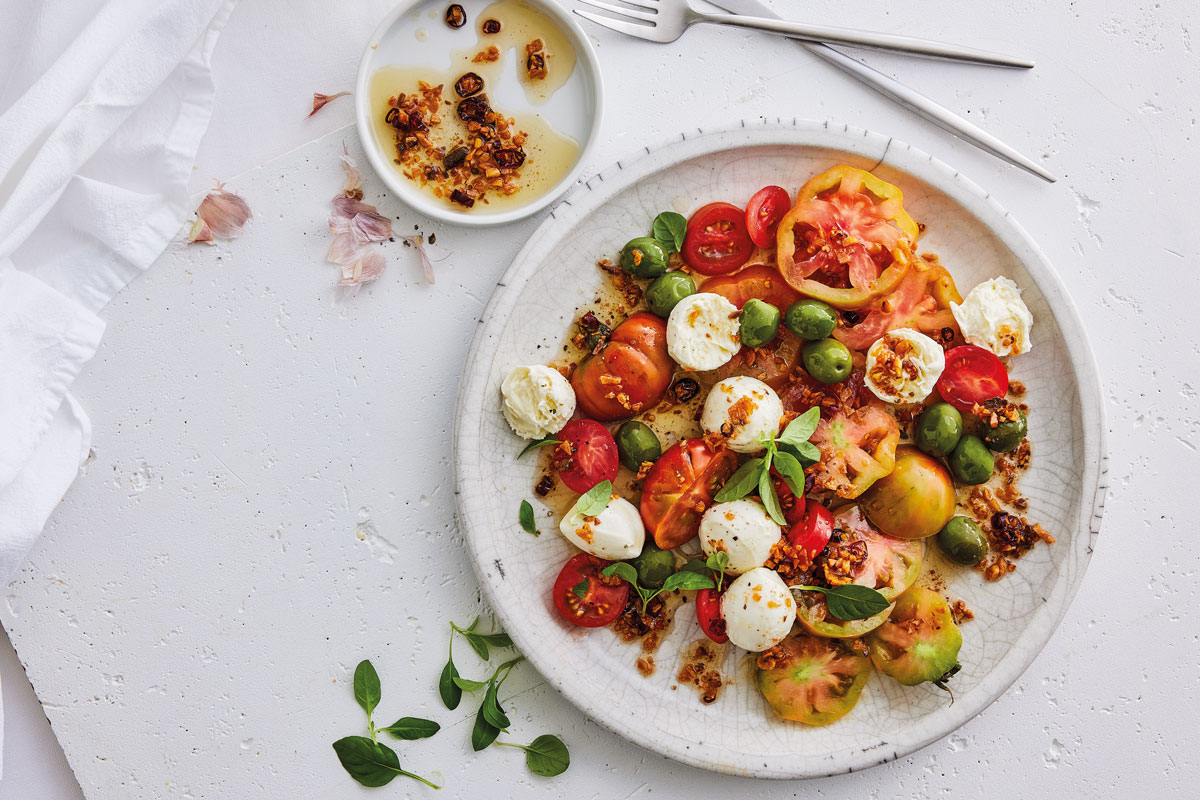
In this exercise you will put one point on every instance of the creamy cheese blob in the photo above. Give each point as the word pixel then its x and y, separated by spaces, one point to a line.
pixel 743 409
pixel 538 400
pixel 994 316
pixel 743 530
pixel 759 610
pixel 702 332
pixel 903 366
pixel 616 533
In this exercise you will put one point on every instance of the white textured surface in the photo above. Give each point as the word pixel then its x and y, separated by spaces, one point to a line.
pixel 156 674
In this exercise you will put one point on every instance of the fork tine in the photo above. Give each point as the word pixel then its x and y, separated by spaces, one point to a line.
pixel 619 10
pixel 629 28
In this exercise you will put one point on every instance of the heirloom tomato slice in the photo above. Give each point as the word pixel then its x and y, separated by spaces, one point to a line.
pixel 847 240
pixel 815 681
pixel 858 447
pixel 630 372
pixel 921 301
pixel 892 564
pixel 919 642
pixel 755 281
pixel 680 486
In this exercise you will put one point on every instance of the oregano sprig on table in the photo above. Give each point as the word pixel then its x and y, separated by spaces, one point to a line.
pixel 368 761
pixel 789 453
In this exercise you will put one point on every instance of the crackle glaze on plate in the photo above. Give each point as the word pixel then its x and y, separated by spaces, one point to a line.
pixel 526 321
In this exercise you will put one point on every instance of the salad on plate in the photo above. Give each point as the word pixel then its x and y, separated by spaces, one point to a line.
pixel 769 421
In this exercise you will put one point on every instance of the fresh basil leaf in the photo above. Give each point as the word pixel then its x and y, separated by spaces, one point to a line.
pixel 368 762
pixel 492 711
pixel 484 732
pixel 526 517
pixel 793 474
pixel 595 499
pixel 506 668
pixel 770 501
pixel 806 452
pixel 695 565
pixel 468 685
pixel 581 589
pixel 801 428
pixel 450 691
pixel 623 570
pixel 547 756
pixel 669 230
pixel 412 728
pixel 497 639
pixel 537 443
pixel 742 482
pixel 366 686
pixel 851 601
pixel 718 561
pixel 687 581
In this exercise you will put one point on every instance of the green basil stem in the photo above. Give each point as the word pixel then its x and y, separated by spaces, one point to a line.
pixel 430 784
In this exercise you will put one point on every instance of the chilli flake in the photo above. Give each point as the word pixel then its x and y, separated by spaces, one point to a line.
pixel 221 213
pixel 319 100
pixel 356 226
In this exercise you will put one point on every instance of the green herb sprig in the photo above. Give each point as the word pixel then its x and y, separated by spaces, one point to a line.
pixel 683 579
pixel 546 755
pixel 669 230
pixel 715 565
pixel 851 600
pixel 545 441
pixel 368 761
pixel 789 453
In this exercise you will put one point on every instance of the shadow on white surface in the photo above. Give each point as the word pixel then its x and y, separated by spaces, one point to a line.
pixel 34 765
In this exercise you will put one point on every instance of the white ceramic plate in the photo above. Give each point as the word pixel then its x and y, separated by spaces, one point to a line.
pixel 414 34
pixel 527 319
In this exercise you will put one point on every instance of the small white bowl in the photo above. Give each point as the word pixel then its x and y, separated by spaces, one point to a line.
pixel 414 34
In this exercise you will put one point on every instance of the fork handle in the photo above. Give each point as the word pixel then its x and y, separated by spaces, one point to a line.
pixel 875 41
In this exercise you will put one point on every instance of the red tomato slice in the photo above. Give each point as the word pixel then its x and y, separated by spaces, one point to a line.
pixel 755 281
pixel 593 457
pixel 972 375
pixel 763 212
pixel 680 486
pixel 629 374
pixel 717 241
pixel 601 602
pixel 814 531
pixel 921 301
pixel 709 615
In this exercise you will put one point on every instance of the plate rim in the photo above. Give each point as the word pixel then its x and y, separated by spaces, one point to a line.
pixel 976 201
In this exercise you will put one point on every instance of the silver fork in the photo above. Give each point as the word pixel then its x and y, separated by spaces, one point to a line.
pixel 666 20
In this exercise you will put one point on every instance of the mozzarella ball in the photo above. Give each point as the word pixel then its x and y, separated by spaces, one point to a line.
pixel 759 610
pixel 538 400
pixel 903 366
pixel 743 530
pixel 743 409
pixel 616 533
pixel 994 316
pixel 702 332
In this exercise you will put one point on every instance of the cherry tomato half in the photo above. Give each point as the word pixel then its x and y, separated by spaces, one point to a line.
pixel 717 241
pixel 680 486
pixel 593 455
pixel 763 212
pixel 709 615
pixel 600 603
pixel 813 531
pixel 629 374
pixel 972 375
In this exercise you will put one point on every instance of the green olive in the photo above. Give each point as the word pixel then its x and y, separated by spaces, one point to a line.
pixel 1007 435
pixel 939 429
pixel 653 565
pixel 811 319
pixel 759 321
pixel 665 292
pixel 970 461
pixel 643 257
pixel 827 361
pixel 637 444
pixel 962 541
